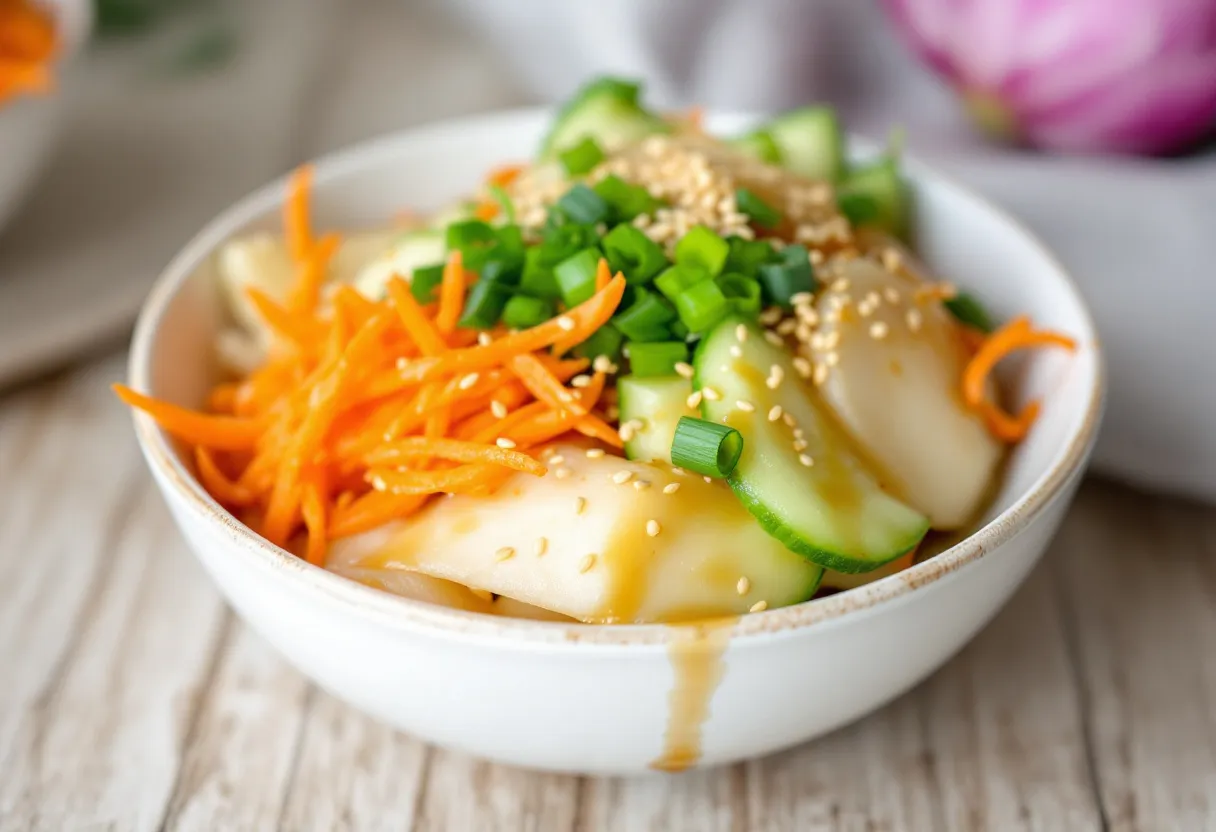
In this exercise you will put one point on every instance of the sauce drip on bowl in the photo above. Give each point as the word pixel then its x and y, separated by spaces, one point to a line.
pixel 697 661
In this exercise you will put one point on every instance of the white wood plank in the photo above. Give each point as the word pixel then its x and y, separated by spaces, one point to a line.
pixel 713 800
pixel 1141 586
pixel 465 793
pixel 353 773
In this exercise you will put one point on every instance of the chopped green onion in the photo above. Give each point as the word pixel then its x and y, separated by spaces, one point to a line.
pixel 704 249
pixel 858 209
pixel 479 242
pixel 538 280
pixel 646 318
pixel 656 359
pixel 425 283
pixel 483 306
pixel 627 201
pixel 522 312
pixel 701 306
pixel 468 234
pixel 759 145
pixel 747 256
pixel 968 310
pixel 761 213
pixel 742 293
pixel 576 276
pixel 632 253
pixel 499 194
pixel 582 157
pixel 678 329
pixel 678 278
pixel 791 275
pixel 604 341
pixel 584 206
pixel 503 272
pixel 708 448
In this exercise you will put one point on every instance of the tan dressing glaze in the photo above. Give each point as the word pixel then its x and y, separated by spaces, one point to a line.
pixel 697 661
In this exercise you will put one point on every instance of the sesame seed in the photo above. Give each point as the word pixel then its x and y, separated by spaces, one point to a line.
pixel 759 606
pixel 832 359
pixel 878 330
pixel 841 284
pixel 803 366
pixel 379 484
pixel 562 473
pixel 580 503
pixel 626 432
pixel 743 586
pixel 711 393
pixel 622 477
pixel 773 338
pixel 565 322
pixel 678 471
pixel 402 363
pixel 602 364
pixel 806 460
pixel 671 488
pixel 498 409
pixel 799 433
pixel 787 326
pixel 684 369
pixel 504 442
pixel 820 375
pixel 735 351
pixel 914 319
pixel 468 381
pixel 595 453
pixel 484 339
pixel 771 315
pixel 799 444
pixel 641 485
pixel 542 546
pixel 653 528
pixel 776 374
pixel 831 340
pixel 801 298
pixel 892 260
pixel 788 419
pixel 745 406
pixel 565 395
pixel 556 459
pixel 891 294
pixel 580 381
pixel 740 332
pixel 505 553
pixel 774 413
pixel 709 480
pixel 586 564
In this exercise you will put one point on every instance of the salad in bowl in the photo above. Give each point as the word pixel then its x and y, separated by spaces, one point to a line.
pixel 651 375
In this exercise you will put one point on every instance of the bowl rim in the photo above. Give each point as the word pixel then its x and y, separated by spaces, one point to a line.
pixel 398 612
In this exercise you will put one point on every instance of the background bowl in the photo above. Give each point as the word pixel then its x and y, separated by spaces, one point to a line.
pixel 28 124
pixel 594 698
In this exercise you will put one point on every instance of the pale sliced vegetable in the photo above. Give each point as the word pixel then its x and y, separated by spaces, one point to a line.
pixel 410 251
pixel 652 408
pixel 587 541
pixel 895 389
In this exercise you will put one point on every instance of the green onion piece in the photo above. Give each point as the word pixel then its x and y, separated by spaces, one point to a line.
pixel 761 213
pixel 792 274
pixel 742 293
pixel 425 283
pixel 678 278
pixel 701 306
pixel 627 201
pixel 646 318
pixel 503 272
pixel 604 341
pixel 708 448
pixel 538 280
pixel 858 209
pixel 968 310
pixel 522 312
pixel 473 238
pixel 759 145
pixel 499 194
pixel 584 206
pixel 678 329
pixel 582 157
pixel 747 256
pixel 632 253
pixel 576 276
pixel 483 306
pixel 703 249
pixel 656 359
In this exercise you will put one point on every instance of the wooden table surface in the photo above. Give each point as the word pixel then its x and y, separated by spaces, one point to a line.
pixel 132 699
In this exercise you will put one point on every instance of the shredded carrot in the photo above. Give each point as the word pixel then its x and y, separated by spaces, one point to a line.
pixel 603 274
pixel 455 450
pixel 28 45
pixel 296 213
pixel 1015 335
pixel 417 324
pixel 544 385
pixel 217 483
pixel 313 267
pixel 486 211
pixel 225 433
pixel 373 509
pixel 298 330
pixel 313 508
pixel 451 294
pixel 505 175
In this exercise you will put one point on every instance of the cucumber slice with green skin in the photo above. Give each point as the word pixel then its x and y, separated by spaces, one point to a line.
pixel 879 187
pixel 811 142
pixel 832 512
pixel 658 403
pixel 759 145
pixel 413 250
pixel 606 110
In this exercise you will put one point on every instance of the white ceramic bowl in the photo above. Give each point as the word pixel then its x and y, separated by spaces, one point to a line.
pixel 596 698
pixel 28 124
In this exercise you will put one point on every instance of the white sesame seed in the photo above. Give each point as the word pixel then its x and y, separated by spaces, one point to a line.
pixel 787 326
pixel 671 488
pixel 735 351
pixel 622 477
pixel 803 366
pixel 914 319
pixel 641 485
pixel 759 606
pixel 820 374
pixel 556 459
pixel 484 339
pixel 773 338
pixel 684 369
pixel 711 393
pixel 878 330
pixel 626 432
pixel 771 315
pixel 542 546
pixel 745 406
pixel 580 381
pixel 586 564
pixel 774 413
pixel 505 553
pixel 740 332
pixel 806 460
pixel 468 381
pixel 891 294
pixel 402 363
pixel 803 332
pixel 379 484
pixel 775 376
pixel 653 528
pixel 602 364
pixel 799 444
pixel 595 453
pixel 504 442
pixel 832 359
pixel 709 480
pixel 580 503
pixel 799 433
pixel 565 395
pixel 801 298
pixel 743 586
pixel 788 419
pixel 565 322
pixel 498 408
pixel 562 473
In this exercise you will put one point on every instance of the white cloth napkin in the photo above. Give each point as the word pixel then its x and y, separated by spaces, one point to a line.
pixel 1136 234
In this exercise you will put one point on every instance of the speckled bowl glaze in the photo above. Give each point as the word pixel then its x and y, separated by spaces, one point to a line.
pixel 603 699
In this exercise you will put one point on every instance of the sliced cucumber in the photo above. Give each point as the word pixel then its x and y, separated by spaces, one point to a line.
pixel 608 111
pixel 658 403
pixel 811 142
pixel 879 191
pixel 832 512
pixel 759 144
pixel 412 250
